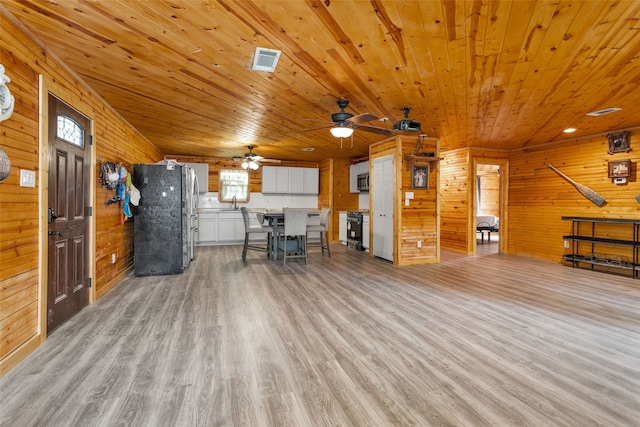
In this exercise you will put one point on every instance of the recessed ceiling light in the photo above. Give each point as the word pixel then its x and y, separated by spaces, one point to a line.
pixel 308 149
pixel 601 112
pixel 569 130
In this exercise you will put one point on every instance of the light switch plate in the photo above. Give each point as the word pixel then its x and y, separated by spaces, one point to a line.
pixel 27 178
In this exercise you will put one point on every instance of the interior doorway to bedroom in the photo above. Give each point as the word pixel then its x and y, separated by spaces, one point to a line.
pixel 489 208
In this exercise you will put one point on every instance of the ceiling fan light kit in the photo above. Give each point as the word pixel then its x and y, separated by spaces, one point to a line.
pixel 250 164
pixel 253 161
pixel 341 131
pixel 344 123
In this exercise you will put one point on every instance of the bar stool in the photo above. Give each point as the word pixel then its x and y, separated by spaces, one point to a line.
pixel 295 229
pixel 248 230
pixel 323 229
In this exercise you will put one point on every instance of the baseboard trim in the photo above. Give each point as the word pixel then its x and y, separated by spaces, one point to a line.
pixel 20 353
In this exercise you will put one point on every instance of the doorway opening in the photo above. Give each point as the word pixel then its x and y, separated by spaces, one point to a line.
pixel 489 208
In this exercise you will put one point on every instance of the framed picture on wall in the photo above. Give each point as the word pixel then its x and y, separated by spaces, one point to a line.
pixel 420 177
pixel 620 169
pixel 619 142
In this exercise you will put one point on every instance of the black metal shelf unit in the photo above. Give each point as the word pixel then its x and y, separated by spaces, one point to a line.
pixel 626 261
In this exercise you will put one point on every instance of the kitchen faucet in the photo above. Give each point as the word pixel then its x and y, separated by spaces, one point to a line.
pixel 234 203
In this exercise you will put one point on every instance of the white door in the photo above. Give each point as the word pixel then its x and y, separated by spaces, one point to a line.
pixel 382 213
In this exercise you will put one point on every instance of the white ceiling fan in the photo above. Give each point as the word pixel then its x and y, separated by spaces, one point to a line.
pixel 253 161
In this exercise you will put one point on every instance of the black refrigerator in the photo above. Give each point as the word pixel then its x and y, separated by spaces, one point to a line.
pixel 159 219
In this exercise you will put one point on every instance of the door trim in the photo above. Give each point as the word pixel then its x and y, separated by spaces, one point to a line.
pixel 504 203
pixel 43 183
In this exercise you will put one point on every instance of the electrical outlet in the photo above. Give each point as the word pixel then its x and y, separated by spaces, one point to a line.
pixel 566 243
pixel 419 243
pixel 113 258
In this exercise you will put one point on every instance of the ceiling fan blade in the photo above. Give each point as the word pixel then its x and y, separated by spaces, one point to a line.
pixel 311 130
pixel 270 161
pixel 362 118
pixel 375 129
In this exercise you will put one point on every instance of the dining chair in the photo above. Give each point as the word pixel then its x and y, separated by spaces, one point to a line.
pixel 253 229
pixel 294 230
pixel 323 229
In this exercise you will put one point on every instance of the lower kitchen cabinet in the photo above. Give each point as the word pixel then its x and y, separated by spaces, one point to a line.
pixel 224 228
pixel 342 227
pixel 207 228
pixel 230 227
pixel 365 232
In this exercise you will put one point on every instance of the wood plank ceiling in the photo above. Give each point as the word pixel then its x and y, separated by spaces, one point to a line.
pixel 493 74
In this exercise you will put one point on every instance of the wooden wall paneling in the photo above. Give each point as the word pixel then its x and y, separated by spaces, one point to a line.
pixel 325 191
pixel 489 194
pixel 19 213
pixel 538 197
pixel 454 201
pixel 343 199
pixel 19 308
pixel 25 60
pixel 420 221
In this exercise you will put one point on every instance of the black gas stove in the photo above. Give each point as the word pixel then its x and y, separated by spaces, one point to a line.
pixel 354 230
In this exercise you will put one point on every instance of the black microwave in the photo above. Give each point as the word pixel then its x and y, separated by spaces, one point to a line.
pixel 363 182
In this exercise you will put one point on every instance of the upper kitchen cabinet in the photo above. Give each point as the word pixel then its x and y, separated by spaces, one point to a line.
pixel 275 180
pixel 285 180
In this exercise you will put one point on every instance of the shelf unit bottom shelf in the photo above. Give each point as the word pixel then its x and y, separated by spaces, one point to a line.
pixel 586 259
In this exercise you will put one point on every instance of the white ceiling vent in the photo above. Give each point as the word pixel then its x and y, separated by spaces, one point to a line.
pixel 601 112
pixel 266 59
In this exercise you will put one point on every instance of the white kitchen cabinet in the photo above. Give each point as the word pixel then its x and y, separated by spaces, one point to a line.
pixel 285 180
pixel 230 227
pixel 365 232
pixel 296 180
pixel 207 228
pixel 342 227
pixel 354 171
pixel 275 179
pixel 225 227
pixel 268 179
pixel 311 181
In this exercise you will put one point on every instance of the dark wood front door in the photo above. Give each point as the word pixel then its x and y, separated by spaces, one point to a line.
pixel 68 278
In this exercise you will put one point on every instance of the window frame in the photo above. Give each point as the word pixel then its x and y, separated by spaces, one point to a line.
pixel 224 194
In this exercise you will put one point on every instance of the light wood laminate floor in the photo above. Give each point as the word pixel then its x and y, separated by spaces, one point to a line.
pixel 344 341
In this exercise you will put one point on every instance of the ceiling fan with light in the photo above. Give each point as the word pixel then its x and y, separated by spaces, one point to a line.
pixel 344 123
pixel 253 161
